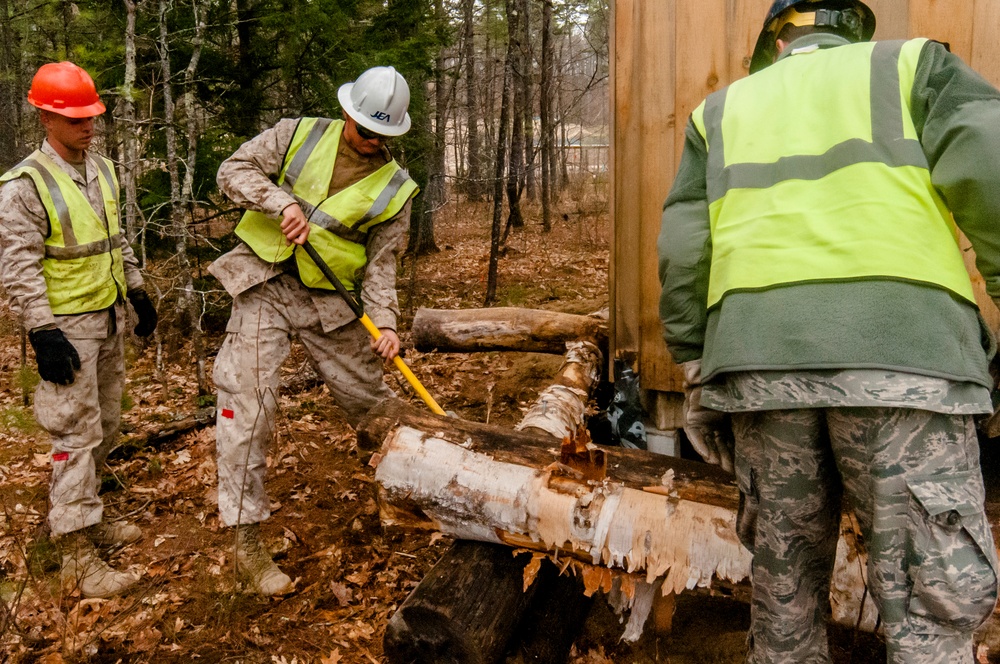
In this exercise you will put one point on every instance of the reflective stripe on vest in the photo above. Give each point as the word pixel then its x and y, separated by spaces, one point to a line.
pixel 339 224
pixel 83 265
pixel 796 198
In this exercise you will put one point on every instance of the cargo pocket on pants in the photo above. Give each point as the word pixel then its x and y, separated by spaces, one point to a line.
pixel 951 559
pixel 746 514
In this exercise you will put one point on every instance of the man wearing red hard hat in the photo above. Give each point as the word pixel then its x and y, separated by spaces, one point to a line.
pixel 68 270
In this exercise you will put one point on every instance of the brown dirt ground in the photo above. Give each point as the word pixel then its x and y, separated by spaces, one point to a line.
pixel 350 574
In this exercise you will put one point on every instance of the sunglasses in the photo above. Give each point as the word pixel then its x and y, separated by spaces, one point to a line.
pixel 369 135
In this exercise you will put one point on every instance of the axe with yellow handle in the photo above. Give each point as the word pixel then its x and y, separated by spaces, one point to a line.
pixel 370 326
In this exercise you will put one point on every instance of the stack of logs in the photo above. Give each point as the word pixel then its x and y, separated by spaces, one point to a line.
pixel 627 522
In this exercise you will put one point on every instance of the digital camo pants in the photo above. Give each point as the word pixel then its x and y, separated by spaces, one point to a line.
pixel 83 420
pixel 258 339
pixel 913 480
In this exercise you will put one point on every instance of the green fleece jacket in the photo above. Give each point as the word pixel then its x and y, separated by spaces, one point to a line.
pixel 873 323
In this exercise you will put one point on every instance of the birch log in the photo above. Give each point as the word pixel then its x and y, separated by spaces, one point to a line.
pixel 467 608
pixel 504 328
pixel 663 518
pixel 559 409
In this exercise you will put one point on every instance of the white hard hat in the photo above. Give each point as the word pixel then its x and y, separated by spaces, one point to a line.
pixel 378 101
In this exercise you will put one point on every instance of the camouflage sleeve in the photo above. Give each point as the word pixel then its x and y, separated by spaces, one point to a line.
pixel 22 247
pixel 957 116
pixel 379 291
pixel 248 176
pixel 685 253
pixel 133 276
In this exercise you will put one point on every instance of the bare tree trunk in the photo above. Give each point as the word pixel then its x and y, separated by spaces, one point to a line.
pixel 467 609
pixel 474 170
pixel 67 18
pixel 10 93
pixel 186 307
pixel 527 70
pixel 491 281
pixel 559 155
pixel 247 97
pixel 545 106
pixel 129 140
pixel 514 172
pixel 195 302
pixel 422 235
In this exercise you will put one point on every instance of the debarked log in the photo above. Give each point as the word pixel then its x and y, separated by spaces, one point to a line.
pixel 504 328
pixel 664 518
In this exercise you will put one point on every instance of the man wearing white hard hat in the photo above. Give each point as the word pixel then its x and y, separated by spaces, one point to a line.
pixel 335 183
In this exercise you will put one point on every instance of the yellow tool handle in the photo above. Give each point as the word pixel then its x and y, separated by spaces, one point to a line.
pixel 370 326
pixel 403 369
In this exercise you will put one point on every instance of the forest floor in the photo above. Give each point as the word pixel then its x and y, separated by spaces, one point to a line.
pixel 350 574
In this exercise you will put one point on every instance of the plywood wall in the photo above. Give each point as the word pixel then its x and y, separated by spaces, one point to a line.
pixel 668 55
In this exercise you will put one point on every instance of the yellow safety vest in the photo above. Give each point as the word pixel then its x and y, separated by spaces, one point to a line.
pixel 338 224
pixel 82 265
pixel 843 196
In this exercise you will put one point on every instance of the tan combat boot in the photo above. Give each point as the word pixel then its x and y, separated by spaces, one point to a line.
pixel 113 534
pixel 82 568
pixel 254 564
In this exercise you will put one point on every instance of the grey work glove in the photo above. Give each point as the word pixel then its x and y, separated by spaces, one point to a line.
pixel 710 431
pixel 56 356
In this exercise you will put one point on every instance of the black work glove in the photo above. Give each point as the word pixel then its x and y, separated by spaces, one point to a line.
pixel 145 310
pixel 56 356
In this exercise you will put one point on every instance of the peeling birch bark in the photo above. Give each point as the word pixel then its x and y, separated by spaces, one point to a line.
pixel 559 409
pixel 426 481
pixel 438 617
pixel 654 516
pixel 504 328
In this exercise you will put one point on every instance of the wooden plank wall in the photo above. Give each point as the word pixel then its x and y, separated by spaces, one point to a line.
pixel 668 55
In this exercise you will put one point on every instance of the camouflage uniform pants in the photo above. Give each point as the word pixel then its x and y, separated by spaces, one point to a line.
pixel 83 419
pixel 258 339
pixel 912 478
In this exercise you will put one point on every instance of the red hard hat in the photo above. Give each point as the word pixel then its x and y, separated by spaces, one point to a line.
pixel 66 89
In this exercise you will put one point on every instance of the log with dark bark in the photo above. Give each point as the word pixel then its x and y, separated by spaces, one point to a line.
pixel 456 618
pixel 163 433
pixel 555 618
pixel 504 328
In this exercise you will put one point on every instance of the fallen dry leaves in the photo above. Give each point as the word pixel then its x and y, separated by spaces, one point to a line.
pixel 325 530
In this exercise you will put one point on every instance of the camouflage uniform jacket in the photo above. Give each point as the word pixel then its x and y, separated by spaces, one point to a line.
pixel 850 339
pixel 26 225
pixel 247 177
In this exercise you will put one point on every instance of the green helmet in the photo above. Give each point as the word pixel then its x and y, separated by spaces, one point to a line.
pixel 849 16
